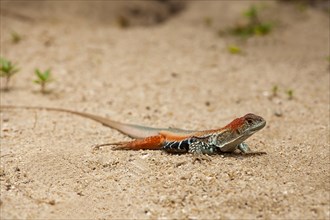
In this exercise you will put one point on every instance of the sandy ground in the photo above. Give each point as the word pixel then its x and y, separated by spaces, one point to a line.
pixel 169 67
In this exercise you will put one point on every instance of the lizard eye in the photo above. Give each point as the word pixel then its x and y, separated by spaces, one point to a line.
pixel 250 121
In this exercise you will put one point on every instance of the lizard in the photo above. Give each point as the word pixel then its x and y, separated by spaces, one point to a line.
pixel 176 140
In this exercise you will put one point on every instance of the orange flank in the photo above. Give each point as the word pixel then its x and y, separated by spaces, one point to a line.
pixel 175 136
pixel 148 143
pixel 235 123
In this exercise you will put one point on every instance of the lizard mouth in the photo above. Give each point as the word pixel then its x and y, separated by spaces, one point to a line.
pixel 258 127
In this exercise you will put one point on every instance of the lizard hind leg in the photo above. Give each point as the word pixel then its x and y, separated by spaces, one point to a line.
pixel 148 143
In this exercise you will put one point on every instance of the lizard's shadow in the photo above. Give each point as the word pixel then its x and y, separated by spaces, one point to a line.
pixel 240 155
pixel 221 154
pixel 224 154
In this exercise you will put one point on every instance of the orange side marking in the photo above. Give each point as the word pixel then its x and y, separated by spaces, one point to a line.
pixel 148 143
pixel 171 136
pixel 235 123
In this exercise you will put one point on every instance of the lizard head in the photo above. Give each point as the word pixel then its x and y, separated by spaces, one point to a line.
pixel 247 125
pixel 238 130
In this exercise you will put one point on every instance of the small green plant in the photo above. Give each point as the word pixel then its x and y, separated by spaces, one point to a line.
pixel 252 14
pixel 302 6
pixel 289 92
pixel 7 71
pixel 208 21
pixel 43 78
pixel 275 90
pixel 233 49
pixel 254 26
pixel 15 37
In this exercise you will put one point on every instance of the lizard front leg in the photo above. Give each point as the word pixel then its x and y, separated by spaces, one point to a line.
pixel 244 147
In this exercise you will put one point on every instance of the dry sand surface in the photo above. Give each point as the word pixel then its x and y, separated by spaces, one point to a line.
pixel 164 64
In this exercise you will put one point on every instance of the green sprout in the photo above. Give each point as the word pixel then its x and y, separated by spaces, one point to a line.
pixel 328 59
pixel 233 49
pixel 15 37
pixel 289 92
pixel 208 21
pixel 275 90
pixel 7 70
pixel 252 14
pixel 254 25
pixel 302 6
pixel 43 78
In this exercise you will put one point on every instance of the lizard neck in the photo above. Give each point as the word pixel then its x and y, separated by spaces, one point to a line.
pixel 235 124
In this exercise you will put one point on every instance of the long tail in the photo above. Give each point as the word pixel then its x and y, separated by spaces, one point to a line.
pixel 132 130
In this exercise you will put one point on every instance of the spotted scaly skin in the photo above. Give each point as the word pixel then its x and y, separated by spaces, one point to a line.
pixel 226 139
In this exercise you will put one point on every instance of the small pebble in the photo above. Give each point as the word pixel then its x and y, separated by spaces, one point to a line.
pixel 278 113
pixel 174 75
pixel 5 120
pixel 2 172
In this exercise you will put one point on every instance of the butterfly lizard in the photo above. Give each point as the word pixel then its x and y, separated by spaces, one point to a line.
pixel 174 140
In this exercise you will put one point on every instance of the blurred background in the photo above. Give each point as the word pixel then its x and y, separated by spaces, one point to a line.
pixel 188 64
